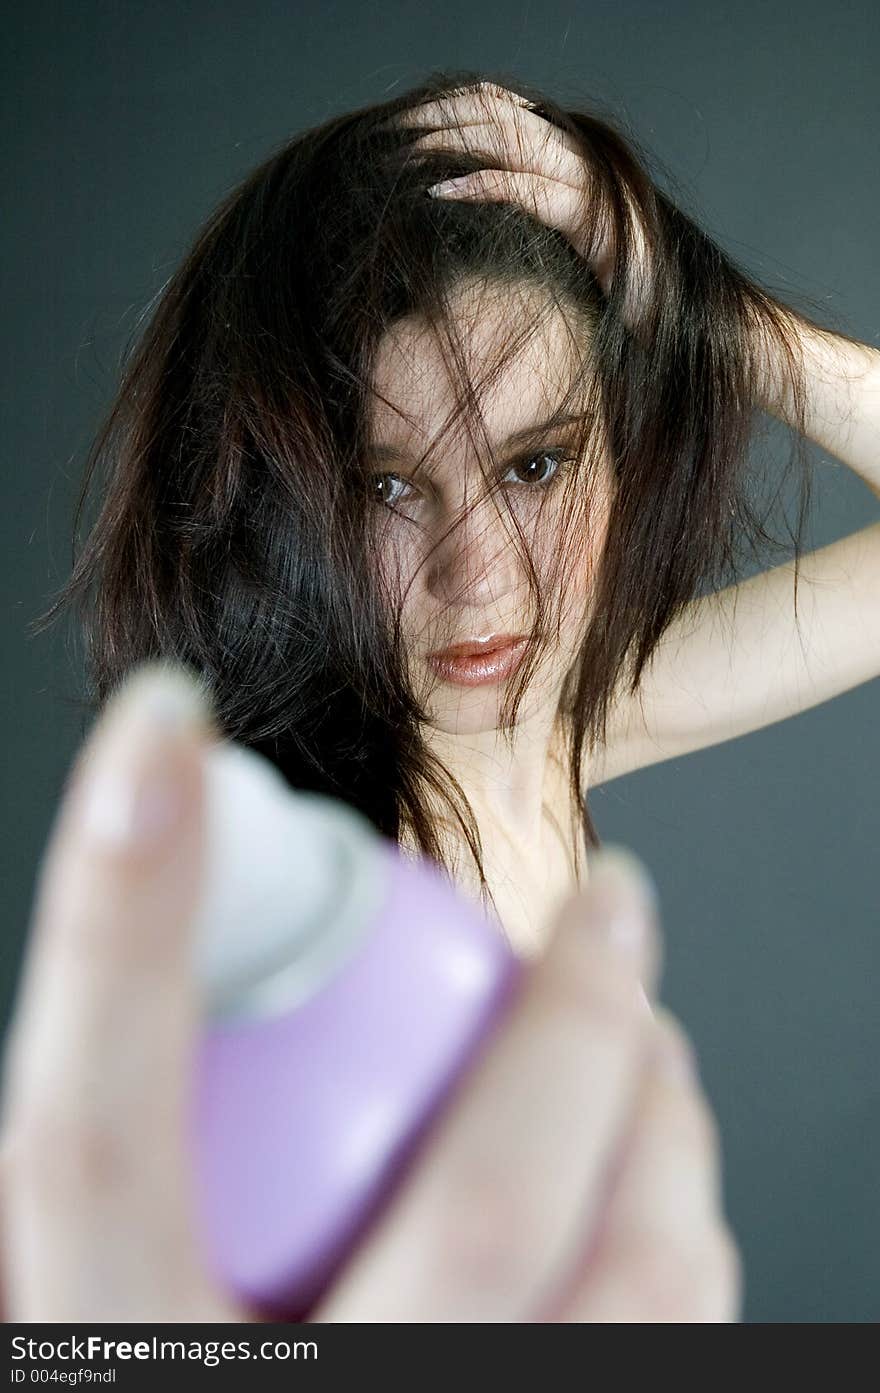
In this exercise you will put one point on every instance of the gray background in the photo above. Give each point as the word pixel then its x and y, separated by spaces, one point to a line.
pixel 125 123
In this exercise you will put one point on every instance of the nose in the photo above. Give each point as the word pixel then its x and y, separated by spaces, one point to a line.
pixel 474 560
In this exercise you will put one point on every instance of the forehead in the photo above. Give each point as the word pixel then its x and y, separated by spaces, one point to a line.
pixel 416 394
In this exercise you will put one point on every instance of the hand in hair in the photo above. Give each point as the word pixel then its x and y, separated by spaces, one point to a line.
pixel 533 162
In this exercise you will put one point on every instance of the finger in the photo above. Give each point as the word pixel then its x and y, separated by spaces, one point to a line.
pixel 465 104
pixel 664 1251
pixel 95 1070
pixel 473 104
pixel 508 1181
pixel 525 142
pixel 553 203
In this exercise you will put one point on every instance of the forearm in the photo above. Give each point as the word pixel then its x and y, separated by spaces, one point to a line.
pixel 842 402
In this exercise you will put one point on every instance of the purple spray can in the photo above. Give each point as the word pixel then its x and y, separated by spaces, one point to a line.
pixel 345 989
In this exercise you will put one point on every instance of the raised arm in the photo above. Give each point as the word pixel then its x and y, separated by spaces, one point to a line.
pixel 740 659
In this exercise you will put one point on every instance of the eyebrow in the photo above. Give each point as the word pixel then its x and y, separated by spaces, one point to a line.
pixel 537 428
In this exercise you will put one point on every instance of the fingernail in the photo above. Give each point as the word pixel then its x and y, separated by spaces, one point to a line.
pixel 132 794
pixel 642 998
pixel 678 1062
pixel 675 1055
pixel 625 900
pixel 448 185
pixel 614 862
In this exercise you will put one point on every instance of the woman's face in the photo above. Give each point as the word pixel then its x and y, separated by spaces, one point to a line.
pixel 452 554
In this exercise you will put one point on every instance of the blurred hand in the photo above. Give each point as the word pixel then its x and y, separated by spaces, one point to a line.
pixel 574 1177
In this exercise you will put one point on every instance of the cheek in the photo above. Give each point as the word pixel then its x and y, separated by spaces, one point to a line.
pixel 395 561
pixel 588 544
pixel 570 570
pixel 401 565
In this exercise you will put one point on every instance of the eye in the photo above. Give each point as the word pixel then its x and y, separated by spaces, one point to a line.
pixel 387 489
pixel 535 467
pixel 536 470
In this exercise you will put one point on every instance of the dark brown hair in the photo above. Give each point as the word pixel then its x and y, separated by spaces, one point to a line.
pixel 232 533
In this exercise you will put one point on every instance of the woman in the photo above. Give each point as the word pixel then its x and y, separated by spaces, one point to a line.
pixel 365 424
pixel 320 479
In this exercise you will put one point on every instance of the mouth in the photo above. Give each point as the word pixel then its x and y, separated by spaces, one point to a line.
pixel 479 661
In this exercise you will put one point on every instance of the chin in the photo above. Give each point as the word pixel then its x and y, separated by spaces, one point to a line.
pixel 473 711
pixel 465 724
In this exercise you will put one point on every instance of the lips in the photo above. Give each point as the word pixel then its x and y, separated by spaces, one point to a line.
pixel 479 661
pixel 476 647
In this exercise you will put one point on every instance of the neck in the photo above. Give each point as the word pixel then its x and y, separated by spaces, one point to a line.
pixel 505 777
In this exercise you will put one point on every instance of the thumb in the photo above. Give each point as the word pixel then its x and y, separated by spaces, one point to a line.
pixel 96 1071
